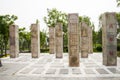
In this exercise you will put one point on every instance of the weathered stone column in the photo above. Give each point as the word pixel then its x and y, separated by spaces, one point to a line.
pixel 90 40
pixel 84 40
pixel 73 39
pixel 14 41
pixel 59 40
pixel 109 41
pixel 52 40
pixel 35 40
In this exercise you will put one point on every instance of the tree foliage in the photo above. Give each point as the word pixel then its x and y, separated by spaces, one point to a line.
pixel 118 2
pixel 24 40
pixel 85 19
pixel 55 16
pixel 43 39
pixel 5 22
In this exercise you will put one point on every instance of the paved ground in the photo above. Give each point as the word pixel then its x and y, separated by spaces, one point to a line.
pixel 47 67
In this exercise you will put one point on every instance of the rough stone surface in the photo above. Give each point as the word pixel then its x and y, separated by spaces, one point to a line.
pixel 109 41
pixel 35 40
pixel 90 40
pixel 84 40
pixel 59 40
pixel 14 41
pixel 52 40
pixel 73 40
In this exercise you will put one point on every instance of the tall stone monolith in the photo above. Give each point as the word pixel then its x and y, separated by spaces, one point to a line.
pixel 73 39
pixel 109 41
pixel 59 40
pixel 35 40
pixel 90 40
pixel 84 40
pixel 51 40
pixel 14 41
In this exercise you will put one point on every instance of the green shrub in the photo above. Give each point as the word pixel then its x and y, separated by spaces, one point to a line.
pixel 44 50
pixel 65 49
pixel 99 48
pixel 118 50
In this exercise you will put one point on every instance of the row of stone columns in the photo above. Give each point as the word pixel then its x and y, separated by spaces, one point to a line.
pixel 14 41
pixel 109 29
pixel 109 40
pixel 80 40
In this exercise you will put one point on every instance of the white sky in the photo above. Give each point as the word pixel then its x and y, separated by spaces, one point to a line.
pixel 30 10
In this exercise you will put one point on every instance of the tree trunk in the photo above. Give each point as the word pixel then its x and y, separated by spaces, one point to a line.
pixel 5 48
pixel 0 63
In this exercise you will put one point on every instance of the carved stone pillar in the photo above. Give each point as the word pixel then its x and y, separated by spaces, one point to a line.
pixel 109 41
pixel 52 40
pixel 73 39
pixel 59 40
pixel 35 40
pixel 14 41
pixel 84 40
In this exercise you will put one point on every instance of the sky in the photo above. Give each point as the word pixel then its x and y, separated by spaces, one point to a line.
pixel 30 10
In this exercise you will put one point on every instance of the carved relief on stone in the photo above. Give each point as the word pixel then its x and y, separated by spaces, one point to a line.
pixel 73 40
pixel 109 41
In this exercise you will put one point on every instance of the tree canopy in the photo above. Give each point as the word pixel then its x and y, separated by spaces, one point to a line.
pixel 118 2
pixel 55 16
pixel 5 22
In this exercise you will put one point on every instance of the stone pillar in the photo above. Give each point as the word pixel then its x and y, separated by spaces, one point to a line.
pixel 90 40
pixel 84 40
pixel 14 41
pixel 73 40
pixel 35 40
pixel 59 40
pixel 52 40
pixel 109 41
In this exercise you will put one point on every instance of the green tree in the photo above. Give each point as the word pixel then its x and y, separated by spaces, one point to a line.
pixel 55 16
pixel 5 22
pixel 43 39
pixel 24 40
pixel 118 2
pixel 85 19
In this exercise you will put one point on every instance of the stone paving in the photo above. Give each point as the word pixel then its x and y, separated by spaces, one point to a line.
pixel 47 67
